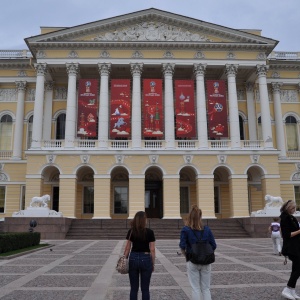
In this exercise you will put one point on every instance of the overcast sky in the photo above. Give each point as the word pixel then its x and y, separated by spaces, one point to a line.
pixel 278 19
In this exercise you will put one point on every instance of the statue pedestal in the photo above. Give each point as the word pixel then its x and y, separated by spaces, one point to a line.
pixel 37 212
pixel 267 212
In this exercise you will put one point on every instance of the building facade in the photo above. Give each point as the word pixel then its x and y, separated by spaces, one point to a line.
pixel 149 111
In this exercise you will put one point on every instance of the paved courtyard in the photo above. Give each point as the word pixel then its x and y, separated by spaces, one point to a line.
pixel 75 270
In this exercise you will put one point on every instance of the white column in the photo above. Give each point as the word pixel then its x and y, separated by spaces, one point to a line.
pixel 264 104
pixel 48 111
pixel 37 128
pixel 231 71
pixel 251 112
pixel 72 70
pixel 103 122
pixel 199 71
pixel 136 118
pixel 168 70
pixel 18 134
pixel 280 140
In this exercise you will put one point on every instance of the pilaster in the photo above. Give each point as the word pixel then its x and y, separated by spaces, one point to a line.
pixel 171 197
pixel 102 197
pixel 205 196
pixel 136 195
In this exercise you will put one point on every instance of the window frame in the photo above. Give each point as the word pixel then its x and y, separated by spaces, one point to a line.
pixel 120 185
pixel 4 200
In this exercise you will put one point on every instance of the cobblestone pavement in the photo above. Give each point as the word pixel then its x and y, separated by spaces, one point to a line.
pixel 75 270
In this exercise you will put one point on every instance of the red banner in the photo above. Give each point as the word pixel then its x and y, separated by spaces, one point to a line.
pixel 216 109
pixel 120 108
pixel 185 109
pixel 87 108
pixel 153 122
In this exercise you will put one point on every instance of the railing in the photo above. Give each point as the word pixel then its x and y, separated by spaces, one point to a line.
pixel 85 144
pixel 153 144
pixel 293 154
pixel 252 144
pixel 53 144
pixel 119 144
pixel 219 144
pixel 5 154
pixel 284 55
pixel 186 144
pixel 15 54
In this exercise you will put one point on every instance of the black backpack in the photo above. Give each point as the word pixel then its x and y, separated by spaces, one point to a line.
pixel 202 252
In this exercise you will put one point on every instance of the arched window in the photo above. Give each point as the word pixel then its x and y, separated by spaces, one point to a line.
pixel 259 129
pixel 6 132
pixel 241 122
pixel 29 132
pixel 60 127
pixel 291 133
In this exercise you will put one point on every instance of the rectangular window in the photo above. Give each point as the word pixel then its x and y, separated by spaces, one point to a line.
pixel 217 199
pixel 120 199
pixel 297 196
pixel 22 197
pixel 2 199
pixel 88 200
pixel 184 200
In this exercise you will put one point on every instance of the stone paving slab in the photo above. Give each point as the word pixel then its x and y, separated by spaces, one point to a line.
pixel 85 270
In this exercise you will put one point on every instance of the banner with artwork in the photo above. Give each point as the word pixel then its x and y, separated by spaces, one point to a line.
pixel 216 109
pixel 87 108
pixel 120 108
pixel 185 109
pixel 153 114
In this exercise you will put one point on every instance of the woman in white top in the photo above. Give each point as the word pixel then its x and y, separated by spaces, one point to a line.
pixel 274 229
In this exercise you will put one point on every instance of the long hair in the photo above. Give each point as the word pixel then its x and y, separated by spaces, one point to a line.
pixel 138 225
pixel 285 207
pixel 194 219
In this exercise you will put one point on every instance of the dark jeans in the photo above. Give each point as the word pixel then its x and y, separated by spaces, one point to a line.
pixel 140 265
pixel 295 271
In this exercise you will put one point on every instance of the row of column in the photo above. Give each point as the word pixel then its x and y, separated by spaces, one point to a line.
pixel 43 107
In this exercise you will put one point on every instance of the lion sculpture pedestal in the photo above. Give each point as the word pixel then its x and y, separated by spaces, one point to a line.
pixel 38 208
pixel 271 209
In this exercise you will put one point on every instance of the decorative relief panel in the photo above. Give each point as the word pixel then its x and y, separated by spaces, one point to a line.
pixel 41 54
pixel 73 54
pixel 85 158
pixel 199 55
pixel 257 96
pixel 151 31
pixel 188 159
pixel 241 94
pixel 222 159
pixel 137 54
pixel 8 95
pixel 255 158
pixel 153 159
pixel 22 73
pixel 30 95
pixel 168 54
pixel 289 96
pixel 104 54
pixel 119 159
pixel 60 93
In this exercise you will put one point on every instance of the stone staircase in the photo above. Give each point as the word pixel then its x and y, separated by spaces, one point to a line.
pixel 163 229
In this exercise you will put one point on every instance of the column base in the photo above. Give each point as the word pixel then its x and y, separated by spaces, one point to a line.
pixel 101 218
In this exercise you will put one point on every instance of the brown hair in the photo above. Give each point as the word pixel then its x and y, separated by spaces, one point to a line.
pixel 287 205
pixel 138 225
pixel 194 219
pixel 276 219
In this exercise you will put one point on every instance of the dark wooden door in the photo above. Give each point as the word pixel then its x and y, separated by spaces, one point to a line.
pixel 153 200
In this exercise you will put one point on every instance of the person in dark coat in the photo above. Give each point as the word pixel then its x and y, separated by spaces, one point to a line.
pixel 291 246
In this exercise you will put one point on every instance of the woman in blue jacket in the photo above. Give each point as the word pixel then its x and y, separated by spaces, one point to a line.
pixel 199 275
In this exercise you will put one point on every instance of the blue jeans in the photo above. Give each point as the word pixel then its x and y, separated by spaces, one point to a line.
pixel 140 264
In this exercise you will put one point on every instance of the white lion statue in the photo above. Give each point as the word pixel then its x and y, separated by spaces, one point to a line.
pixel 272 201
pixel 40 201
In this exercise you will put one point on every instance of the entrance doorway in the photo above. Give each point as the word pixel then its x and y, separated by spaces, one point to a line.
pixel 55 198
pixel 153 200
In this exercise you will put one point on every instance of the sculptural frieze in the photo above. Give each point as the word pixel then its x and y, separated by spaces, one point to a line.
pixel 151 31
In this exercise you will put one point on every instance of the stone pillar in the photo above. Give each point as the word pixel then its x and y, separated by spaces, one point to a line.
pixel 102 197
pixel 71 114
pixel 238 195
pixel 136 195
pixel 18 135
pixel 103 122
pixel 280 139
pixel 251 112
pixel 205 195
pixel 231 71
pixel 265 107
pixel 67 195
pixel 37 128
pixel 199 71
pixel 136 118
pixel 171 197
pixel 168 70
pixel 48 111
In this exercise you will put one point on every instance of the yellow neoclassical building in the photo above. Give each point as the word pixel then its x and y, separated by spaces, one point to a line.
pixel 149 111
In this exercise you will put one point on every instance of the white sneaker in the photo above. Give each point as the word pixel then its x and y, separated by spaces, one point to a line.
pixel 287 293
pixel 294 294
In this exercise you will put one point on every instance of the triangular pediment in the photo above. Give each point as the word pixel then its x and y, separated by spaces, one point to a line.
pixel 151 25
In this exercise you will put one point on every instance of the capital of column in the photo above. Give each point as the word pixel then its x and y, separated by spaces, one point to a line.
pixel 249 86
pixel 21 85
pixel 199 69
pixel 49 85
pixel 136 69
pixel 231 69
pixel 276 86
pixel 72 68
pixel 168 69
pixel 261 70
pixel 104 69
pixel 41 69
